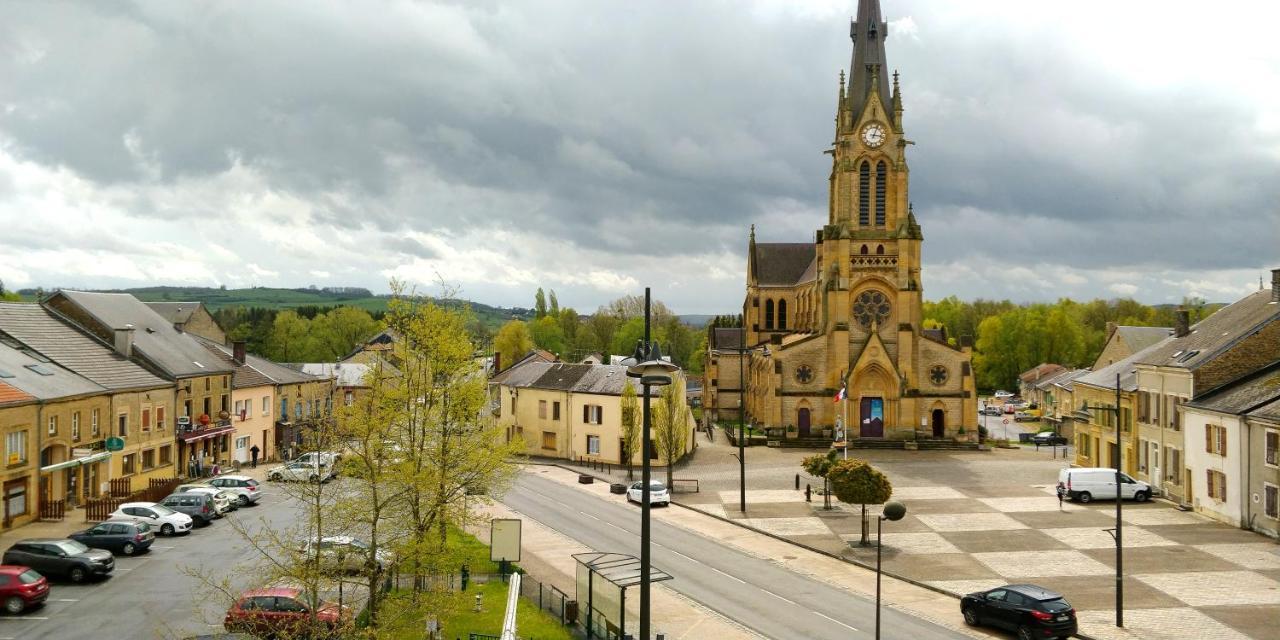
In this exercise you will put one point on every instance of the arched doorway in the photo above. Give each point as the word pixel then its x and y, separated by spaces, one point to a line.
pixel 939 423
pixel 802 421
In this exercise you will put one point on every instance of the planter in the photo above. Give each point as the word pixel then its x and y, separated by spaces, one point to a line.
pixel 618 488
pixel 586 478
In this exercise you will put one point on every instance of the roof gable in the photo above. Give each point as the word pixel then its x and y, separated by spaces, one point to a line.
pixel 74 348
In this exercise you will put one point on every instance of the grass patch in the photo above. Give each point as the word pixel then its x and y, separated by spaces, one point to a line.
pixel 532 622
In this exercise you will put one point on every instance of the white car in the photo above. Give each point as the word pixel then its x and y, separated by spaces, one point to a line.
pixel 1087 484
pixel 346 554
pixel 168 521
pixel 244 488
pixel 1003 394
pixel 326 458
pixel 658 493
pixel 299 471
pixel 222 501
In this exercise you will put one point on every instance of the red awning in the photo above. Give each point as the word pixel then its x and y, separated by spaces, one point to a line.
pixel 201 435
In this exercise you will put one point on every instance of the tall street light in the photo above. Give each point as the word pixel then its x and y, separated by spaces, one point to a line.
pixel 1119 530
pixel 647 365
pixel 892 510
pixel 742 421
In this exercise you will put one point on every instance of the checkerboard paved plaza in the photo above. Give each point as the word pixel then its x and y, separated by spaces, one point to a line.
pixel 999 521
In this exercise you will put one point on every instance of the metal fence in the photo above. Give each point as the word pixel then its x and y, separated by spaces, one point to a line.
pixel 549 599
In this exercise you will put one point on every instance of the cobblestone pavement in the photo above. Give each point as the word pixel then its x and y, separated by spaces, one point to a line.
pixel 981 519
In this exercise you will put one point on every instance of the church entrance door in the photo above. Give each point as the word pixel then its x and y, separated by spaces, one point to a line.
pixel 802 421
pixel 871 414
pixel 939 423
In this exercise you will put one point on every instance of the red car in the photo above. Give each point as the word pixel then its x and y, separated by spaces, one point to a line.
pixel 282 611
pixel 21 588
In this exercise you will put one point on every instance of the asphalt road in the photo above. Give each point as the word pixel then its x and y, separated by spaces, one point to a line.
pixel 152 595
pixel 758 594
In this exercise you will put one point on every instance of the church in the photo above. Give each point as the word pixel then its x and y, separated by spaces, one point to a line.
pixel 832 330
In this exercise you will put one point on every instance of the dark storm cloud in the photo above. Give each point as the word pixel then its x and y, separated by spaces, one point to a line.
pixel 578 120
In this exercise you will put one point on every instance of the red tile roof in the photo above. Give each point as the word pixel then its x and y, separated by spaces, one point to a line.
pixel 13 395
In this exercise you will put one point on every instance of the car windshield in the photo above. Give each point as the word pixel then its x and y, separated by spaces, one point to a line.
pixel 143 527
pixel 29 577
pixel 71 547
pixel 251 483
pixel 359 545
pixel 162 510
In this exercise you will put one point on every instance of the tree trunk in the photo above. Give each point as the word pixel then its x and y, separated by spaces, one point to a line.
pixel 866 531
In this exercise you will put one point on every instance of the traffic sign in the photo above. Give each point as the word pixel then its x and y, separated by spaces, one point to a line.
pixel 1006 421
pixel 114 443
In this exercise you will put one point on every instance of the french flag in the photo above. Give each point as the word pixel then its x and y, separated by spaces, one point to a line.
pixel 840 395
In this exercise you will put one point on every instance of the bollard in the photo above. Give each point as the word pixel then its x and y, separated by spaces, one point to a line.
pixel 808 493
pixel 797 482
pixel 477 609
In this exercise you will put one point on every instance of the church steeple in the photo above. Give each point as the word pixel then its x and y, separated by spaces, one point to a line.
pixel 868 33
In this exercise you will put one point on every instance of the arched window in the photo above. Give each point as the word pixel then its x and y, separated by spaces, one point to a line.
pixel 881 171
pixel 864 194
pixel 768 314
pixel 879 249
pixel 864 249
pixel 782 314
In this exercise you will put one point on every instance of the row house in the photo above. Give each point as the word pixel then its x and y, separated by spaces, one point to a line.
pixel 723 375
pixel 1234 342
pixel 135 407
pixel 1057 400
pixel 571 411
pixel 1095 430
pixel 202 396
pixel 350 381
pixel 1233 451
pixel 190 317
pixel 1027 379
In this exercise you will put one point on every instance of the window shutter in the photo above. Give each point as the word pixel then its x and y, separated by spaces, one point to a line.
pixel 586 413
pixel 1208 479
pixel 1208 438
pixel 1222 441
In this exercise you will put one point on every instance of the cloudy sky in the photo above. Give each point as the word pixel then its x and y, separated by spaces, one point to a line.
pixel 1065 149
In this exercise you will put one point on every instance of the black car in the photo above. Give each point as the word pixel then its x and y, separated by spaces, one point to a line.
pixel 61 557
pixel 1047 438
pixel 117 536
pixel 197 505
pixel 1030 611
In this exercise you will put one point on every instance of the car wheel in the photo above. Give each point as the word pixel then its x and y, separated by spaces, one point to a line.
pixel 314 478
pixel 14 605
pixel 128 549
pixel 1084 497
pixel 76 574
pixel 166 530
pixel 275 476
pixel 1024 633
pixel 971 617
pixel 243 500
pixel 1142 496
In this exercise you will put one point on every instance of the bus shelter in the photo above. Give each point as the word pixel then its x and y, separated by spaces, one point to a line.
pixel 602 581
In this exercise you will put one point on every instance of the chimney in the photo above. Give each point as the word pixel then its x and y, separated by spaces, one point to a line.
pixel 1275 285
pixel 1111 329
pixel 1183 325
pixel 497 361
pixel 237 351
pixel 124 341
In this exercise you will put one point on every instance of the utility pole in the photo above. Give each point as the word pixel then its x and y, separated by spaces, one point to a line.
pixel 1118 532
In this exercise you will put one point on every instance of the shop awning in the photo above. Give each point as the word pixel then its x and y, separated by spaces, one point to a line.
pixel 201 435
pixel 75 462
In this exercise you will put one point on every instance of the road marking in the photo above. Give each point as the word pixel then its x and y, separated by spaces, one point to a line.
pixel 680 554
pixel 742 581
pixel 835 621
pixel 787 600
pixel 156 546
pixel 64 599
pixel 588 515
pixel 18 618
pixel 616 527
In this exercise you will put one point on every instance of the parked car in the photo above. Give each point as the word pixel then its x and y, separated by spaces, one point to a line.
pixel 1028 610
pixel 658 493
pixel 60 557
pixel 117 536
pixel 1049 438
pixel 325 458
pixel 299 471
pixel 1008 408
pixel 245 489
pixel 197 505
pixel 223 501
pixel 991 410
pixel 168 521
pixel 346 554
pixel 22 588
pixel 282 612
pixel 1003 394
pixel 1092 483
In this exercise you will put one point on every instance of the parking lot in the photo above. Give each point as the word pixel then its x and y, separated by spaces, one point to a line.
pixel 174 590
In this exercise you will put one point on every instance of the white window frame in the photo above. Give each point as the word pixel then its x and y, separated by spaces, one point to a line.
pixel 1265 433
pixel 591 438
pixel 93 423
pixel 53 425
pixel 9 448
pixel 266 405
pixel 75 425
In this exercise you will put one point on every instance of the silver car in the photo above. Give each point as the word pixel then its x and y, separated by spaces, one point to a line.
pixel 346 554
pixel 222 501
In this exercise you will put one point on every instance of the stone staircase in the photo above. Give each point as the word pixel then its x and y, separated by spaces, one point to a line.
pixel 945 445
pixel 922 444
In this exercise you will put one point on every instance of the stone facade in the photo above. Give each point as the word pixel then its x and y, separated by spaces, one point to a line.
pixel 845 310
pixel 19 474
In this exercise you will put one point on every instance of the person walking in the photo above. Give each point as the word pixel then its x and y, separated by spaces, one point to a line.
pixel 253 453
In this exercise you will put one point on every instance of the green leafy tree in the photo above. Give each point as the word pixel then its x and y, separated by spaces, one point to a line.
pixel 546 334
pixel 671 424
pixel 553 304
pixel 338 331
pixel 819 466
pixel 539 304
pixel 856 482
pixel 630 427
pixel 512 342
pixel 627 336
pixel 290 339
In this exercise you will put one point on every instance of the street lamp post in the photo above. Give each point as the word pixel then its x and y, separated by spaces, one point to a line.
pixel 742 417
pixel 892 511
pixel 1118 534
pixel 647 365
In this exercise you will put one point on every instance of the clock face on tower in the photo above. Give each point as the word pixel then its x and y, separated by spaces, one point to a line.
pixel 873 135
pixel 871 306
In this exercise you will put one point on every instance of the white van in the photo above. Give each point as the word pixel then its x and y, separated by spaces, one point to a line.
pixel 1086 484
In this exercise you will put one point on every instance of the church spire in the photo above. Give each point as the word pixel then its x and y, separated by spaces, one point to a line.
pixel 868 33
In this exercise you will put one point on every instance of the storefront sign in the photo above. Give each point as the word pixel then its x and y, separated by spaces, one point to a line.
pixel 115 444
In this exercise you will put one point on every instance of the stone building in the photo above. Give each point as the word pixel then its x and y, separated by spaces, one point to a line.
pixel 190 317
pixel 845 308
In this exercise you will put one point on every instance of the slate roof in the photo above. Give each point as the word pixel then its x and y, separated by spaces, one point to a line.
pixel 1039 372
pixel 1213 335
pixel 74 348
pixel 782 263
pixel 602 379
pixel 1269 411
pixel 1106 376
pixel 155 340
pixel 727 337
pixel 35 376
pixel 1139 338
pixel 343 374
pixel 1061 376
pixel 243 376
pixel 174 312
pixel 1068 380
pixel 1255 391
